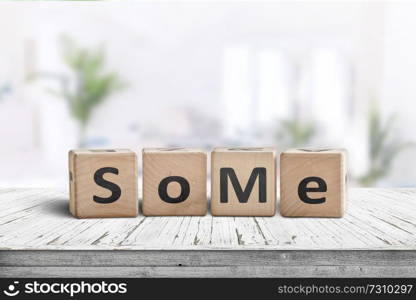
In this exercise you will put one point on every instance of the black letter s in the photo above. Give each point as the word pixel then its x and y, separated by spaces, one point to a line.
pixel 114 188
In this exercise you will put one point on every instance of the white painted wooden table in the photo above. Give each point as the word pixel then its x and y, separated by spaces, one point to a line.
pixel 377 237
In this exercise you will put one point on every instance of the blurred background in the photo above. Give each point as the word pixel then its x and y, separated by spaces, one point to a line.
pixel 147 74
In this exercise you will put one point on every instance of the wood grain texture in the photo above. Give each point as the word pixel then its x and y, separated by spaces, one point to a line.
pixel 82 166
pixel 305 271
pixel 376 238
pixel 377 219
pixel 197 263
pixel 185 163
pixel 243 161
pixel 299 164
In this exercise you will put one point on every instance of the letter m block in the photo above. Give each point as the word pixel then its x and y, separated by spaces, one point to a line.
pixel 243 182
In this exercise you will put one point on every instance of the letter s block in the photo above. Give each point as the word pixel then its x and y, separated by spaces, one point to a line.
pixel 243 182
pixel 174 182
pixel 103 183
pixel 313 183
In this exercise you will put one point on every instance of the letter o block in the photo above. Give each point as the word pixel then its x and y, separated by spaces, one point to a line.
pixel 243 182
pixel 313 183
pixel 103 183
pixel 174 182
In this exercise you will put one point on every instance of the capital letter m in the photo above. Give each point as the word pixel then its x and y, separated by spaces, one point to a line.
pixel 242 195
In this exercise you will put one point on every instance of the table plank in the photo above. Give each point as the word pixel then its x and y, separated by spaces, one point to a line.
pixel 213 263
pixel 376 219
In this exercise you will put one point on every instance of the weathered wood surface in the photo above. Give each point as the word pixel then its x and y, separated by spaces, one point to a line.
pixel 193 258
pixel 213 263
pixel 377 237
pixel 376 219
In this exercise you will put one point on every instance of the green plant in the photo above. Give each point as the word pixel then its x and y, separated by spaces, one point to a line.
pixel 295 133
pixel 383 147
pixel 89 84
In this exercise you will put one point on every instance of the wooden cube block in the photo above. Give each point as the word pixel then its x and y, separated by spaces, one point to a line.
pixel 313 183
pixel 103 183
pixel 174 182
pixel 243 182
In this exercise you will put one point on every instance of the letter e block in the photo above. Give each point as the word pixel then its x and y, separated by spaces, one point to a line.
pixel 103 183
pixel 174 182
pixel 313 183
pixel 243 182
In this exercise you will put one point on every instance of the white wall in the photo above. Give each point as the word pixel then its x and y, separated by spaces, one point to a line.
pixel 172 56
pixel 399 85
